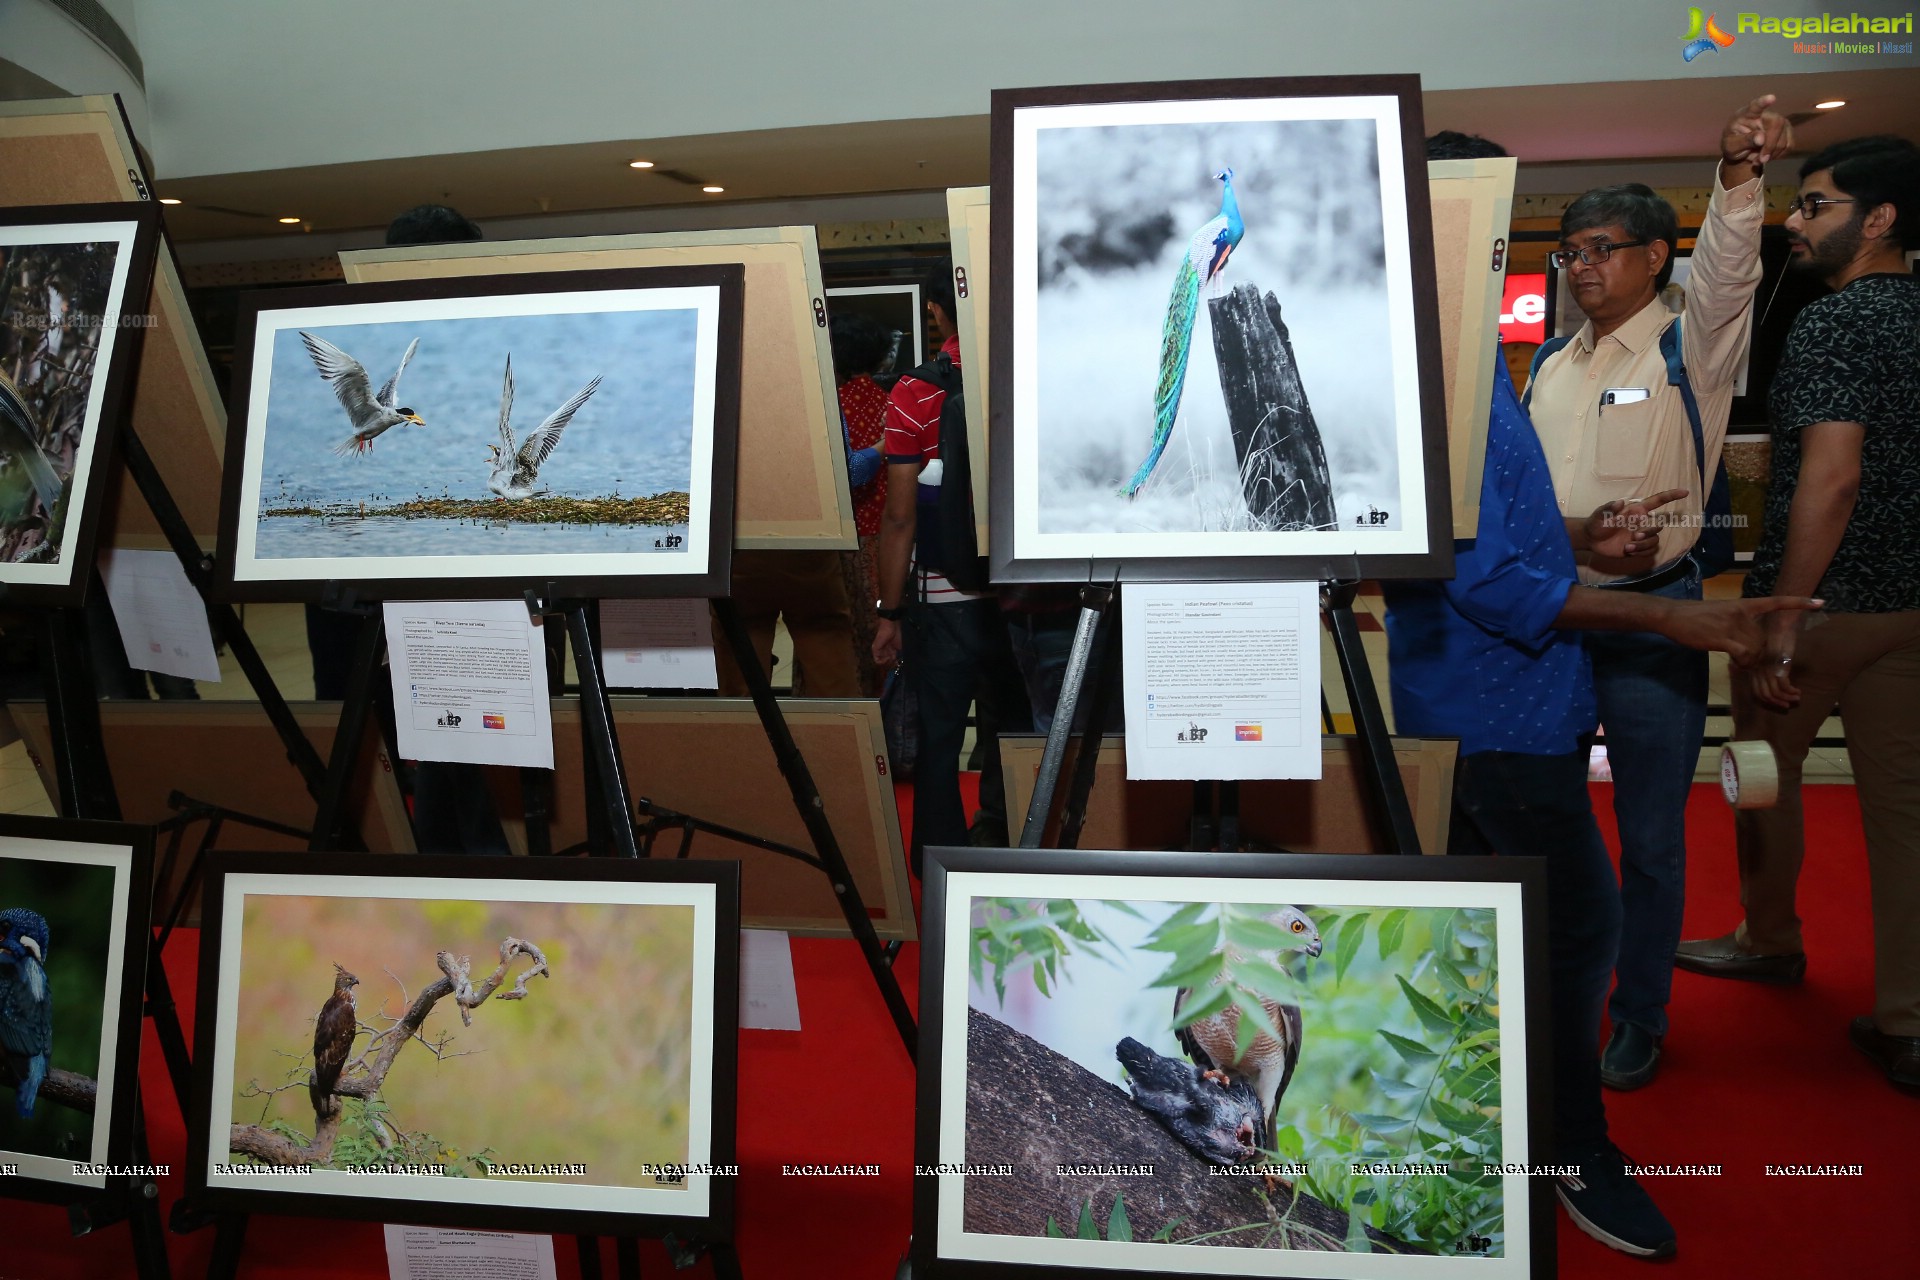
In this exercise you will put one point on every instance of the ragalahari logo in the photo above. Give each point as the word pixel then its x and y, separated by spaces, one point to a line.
pixel 1703 34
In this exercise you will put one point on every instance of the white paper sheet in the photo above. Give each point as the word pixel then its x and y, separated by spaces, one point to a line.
pixel 162 620
pixel 658 644
pixel 470 682
pixel 428 1253
pixel 769 1000
pixel 1222 680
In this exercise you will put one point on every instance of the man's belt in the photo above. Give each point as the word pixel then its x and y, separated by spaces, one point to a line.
pixel 1651 581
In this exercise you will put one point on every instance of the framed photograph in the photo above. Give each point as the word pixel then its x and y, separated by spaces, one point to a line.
pixel 475 437
pixel 74 280
pixel 1174 1065
pixel 792 487
pixel 895 308
pixel 1215 342
pixel 73 963
pixel 970 231
pixel 557 1034
pixel 82 151
pixel 1567 317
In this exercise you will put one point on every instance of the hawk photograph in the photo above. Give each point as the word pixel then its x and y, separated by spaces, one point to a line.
pixel 1340 1062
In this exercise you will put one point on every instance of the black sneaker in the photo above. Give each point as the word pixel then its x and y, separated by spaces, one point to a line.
pixel 1605 1202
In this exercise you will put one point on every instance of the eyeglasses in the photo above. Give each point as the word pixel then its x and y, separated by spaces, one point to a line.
pixel 1808 207
pixel 1594 254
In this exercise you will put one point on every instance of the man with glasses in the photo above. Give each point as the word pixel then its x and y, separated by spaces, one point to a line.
pixel 1615 427
pixel 1843 507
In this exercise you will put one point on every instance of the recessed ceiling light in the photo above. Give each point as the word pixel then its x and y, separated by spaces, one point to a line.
pixel 1830 104
pixel 289 222
pixel 713 190
pixel 639 164
pixel 169 200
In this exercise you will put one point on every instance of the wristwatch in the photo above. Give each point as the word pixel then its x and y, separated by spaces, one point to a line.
pixel 891 615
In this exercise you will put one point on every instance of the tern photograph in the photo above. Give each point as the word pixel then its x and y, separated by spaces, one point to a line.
pixel 1147 1070
pixel 73 955
pixel 68 350
pixel 558 1043
pixel 510 430
pixel 1213 304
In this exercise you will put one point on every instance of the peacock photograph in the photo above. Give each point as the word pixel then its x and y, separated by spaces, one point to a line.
pixel 52 298
pixel 57 952
pixel 1214 331
pixel 1238 1075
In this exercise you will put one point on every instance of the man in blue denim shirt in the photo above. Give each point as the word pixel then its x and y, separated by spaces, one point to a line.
pixel 1494 657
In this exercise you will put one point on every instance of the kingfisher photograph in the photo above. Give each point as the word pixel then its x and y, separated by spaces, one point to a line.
pixel 1204 1081
pixel 64 940
pixel 560 1043
pixel 1214 326
pixel 506 435
pixel 66 347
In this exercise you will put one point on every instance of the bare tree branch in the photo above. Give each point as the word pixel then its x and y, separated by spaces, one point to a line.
pixel 68 1088
pixel 363 1077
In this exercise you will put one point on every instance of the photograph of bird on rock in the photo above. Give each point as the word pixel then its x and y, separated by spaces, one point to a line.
pixel 1286 1075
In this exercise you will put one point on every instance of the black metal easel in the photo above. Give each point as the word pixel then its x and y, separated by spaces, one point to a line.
pixel 1098 624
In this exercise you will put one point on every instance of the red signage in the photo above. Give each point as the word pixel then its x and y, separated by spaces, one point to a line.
pixel 1523 311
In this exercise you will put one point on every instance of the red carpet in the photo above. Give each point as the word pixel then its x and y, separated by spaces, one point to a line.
pixel 1753 1075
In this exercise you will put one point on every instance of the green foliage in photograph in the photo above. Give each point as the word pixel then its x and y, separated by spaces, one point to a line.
pixel 1119 1226
pixel 1013 935
pixel 371 1139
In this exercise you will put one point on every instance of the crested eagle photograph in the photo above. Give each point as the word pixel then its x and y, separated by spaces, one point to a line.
pixel 549 1044
pixel 67 351
pixel 579 431
pixel 1213 325
pixel 1208 1078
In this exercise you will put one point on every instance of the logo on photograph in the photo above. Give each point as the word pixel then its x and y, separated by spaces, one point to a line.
pixel 1193 733
pixel 448 720
pixel 1246 733
pixel 493 722
pixel 1703 35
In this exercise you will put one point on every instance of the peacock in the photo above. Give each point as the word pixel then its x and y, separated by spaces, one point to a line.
pixel 1206 256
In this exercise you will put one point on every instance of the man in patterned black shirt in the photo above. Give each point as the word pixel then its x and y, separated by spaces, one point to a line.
pixel 1843 522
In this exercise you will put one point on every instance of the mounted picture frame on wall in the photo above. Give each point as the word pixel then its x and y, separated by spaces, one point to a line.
pixel 74 283
pixel 1376 1028
pixel 1215 340
pixel 495 1043
pixel 481 436
pixel 74 915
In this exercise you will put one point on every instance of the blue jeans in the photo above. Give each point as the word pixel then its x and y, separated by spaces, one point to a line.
pixel 1518 805
pixel 1653 710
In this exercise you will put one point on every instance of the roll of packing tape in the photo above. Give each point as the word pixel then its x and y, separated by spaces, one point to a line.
pixel 1749 776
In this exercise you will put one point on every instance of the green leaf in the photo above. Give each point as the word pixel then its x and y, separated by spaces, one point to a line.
pixel 1040 981
pixel 1123 909
pixel 1272 982
pixel 1431 1015
pixel 1087 1230
pixel 1393 927
pixel 1470 937
pixel 1185 917
pixel 1415 1054
pixel 1288 1143
pixel 1198 976
pixel 1397 1090
pixel 1119 1227
pixel 1053 1229
pixel 1350 939
pixel 1212 1001
pixel 1357 1240
pixel 1381 1124
pixel 1165 1234
pixel 1251 933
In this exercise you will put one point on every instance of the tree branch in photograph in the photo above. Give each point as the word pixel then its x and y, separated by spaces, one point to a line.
pixel 363 1077
pixel 68 1088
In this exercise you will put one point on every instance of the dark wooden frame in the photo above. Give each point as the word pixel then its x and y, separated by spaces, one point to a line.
pixel 121 1108
pixel 1189 870
pixel 1005 352
pixel 711 580
pixel 282 1195
pixel 85 509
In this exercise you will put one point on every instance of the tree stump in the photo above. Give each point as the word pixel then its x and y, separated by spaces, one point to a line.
pixel 1283 466
pixel 1035 1110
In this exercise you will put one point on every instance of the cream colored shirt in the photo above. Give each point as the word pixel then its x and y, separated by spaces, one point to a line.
pixel 1633 450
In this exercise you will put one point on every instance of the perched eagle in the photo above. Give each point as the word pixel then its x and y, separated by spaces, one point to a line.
pixel 1267 1065
pixel 333 1033
pixel 26 1004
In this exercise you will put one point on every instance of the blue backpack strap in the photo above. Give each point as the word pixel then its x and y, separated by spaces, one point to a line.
pixel 1677 377
pixel 1546 349
pixel 1713 550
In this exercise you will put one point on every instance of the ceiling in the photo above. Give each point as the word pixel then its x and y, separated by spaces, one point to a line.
pixel 1543 124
